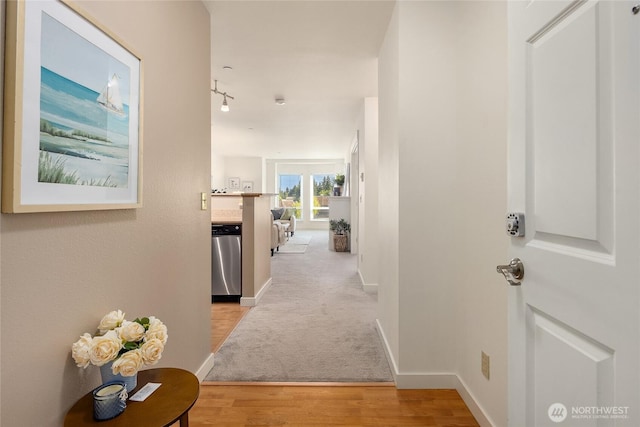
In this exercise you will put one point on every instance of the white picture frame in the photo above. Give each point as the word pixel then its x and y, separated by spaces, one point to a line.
pixel 234 183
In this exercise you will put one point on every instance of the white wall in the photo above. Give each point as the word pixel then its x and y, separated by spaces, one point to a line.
pixel 61 272
pixel 482 241
pixel 387 236
pixel 427 131
pixel 442 175
pixel 368 194
pixel 218 180
pixel 247 169
pixel 352 190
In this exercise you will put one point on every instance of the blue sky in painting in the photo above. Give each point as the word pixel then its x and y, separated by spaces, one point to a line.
pixel 75 58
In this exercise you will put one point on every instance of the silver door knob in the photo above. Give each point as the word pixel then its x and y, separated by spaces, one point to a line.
pixel 513 271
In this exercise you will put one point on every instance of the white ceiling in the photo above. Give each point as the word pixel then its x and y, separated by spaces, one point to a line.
pixel 320 56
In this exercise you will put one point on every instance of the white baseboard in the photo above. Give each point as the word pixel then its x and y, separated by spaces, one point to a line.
pixel 429 380
pixel 424 380
pixel 204 369
pixel 387 351
pixel 248 301
pixel 370 288
pixel 472 404
pixel 253 301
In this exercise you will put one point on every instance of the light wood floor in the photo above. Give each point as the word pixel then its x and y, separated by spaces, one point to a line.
pixel 224 318
pixel 265 405
pixel 300 405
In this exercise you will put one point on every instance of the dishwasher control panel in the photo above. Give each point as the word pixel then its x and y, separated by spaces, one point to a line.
pixel 226 229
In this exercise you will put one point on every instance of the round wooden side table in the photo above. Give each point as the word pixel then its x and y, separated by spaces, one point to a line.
pixel 169 403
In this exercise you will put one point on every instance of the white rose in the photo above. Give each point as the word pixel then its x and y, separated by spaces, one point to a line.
pixel 80 350
pixel 152 351
pixel 157 329
pixel 105 348
pixel 128 364
pixel 111 321
pixel 131 331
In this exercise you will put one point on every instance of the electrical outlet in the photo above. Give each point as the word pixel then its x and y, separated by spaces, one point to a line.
pixel 485 365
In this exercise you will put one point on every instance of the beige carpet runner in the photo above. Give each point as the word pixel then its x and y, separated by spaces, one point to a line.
pixel 314 323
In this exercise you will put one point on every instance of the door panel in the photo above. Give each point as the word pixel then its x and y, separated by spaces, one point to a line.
pixel 564 122
pixel 570 130
pixel 577 371
pixel 573 170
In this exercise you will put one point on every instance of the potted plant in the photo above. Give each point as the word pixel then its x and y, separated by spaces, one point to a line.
pixel 340 229
pixel 339 182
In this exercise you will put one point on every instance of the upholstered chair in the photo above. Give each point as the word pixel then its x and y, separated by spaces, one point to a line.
pixel 278 236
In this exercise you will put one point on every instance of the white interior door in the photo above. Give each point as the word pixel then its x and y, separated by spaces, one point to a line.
pixel 573 170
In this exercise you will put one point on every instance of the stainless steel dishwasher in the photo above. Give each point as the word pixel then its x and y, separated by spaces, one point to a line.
pixel 226 262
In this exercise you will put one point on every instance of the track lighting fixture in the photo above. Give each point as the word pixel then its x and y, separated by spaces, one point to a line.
pixel 225 106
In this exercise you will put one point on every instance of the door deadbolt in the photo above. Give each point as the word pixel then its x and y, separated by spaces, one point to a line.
pixel 515 224
pixel 513 271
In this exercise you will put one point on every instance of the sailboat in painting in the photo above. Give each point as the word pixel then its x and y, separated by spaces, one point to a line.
pixel 110 98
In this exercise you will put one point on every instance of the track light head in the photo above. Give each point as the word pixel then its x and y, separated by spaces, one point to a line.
pixel 225 106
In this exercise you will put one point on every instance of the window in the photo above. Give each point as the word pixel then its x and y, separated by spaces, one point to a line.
pixel 322 189
pixel 290 190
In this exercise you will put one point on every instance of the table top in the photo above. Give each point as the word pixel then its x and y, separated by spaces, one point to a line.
pixel 177 394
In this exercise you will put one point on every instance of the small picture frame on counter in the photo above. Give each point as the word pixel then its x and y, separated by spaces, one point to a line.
pixel 234 183
pixel 247 186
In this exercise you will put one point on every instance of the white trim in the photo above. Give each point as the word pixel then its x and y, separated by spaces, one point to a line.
pixel 479 414
pixel 253 301
pixel 204 369
pixel 425 380
pixel 387 351
pixel 370 288
pixel 355 142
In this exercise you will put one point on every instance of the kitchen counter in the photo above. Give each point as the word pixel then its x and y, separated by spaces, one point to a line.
pixel 226 221
pixel 226 208
pixel 226 216
pixel 242 194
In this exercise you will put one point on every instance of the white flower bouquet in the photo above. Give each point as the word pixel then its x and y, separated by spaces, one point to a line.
pixel 130 345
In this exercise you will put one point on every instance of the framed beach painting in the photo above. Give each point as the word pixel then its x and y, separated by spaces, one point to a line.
pixel 73 109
